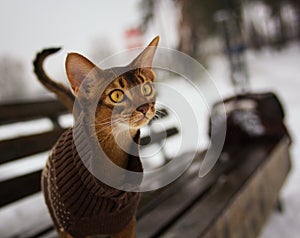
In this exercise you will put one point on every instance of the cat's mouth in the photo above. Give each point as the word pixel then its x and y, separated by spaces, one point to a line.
pixel 140 121
pixel 135 122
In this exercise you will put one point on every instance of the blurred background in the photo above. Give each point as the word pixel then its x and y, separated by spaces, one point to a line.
pixel 99 29
pixel 246 45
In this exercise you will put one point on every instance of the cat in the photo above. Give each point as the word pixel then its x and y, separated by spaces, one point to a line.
pixel 79 204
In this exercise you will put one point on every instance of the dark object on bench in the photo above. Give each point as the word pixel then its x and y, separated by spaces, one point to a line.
pixel 234 199
pixel 251 117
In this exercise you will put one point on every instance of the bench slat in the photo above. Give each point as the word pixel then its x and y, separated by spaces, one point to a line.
pixel 202 214
pixel 24 146
pixel 178 195
pixel 20 187
pixel 173 206
pixel 20 147
pixel 15 112
pixel 201 217
pixel 188 207
pixel 151 199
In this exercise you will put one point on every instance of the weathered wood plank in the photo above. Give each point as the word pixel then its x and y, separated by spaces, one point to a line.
pixel 179 197
pixel 16 112
pixel 20 147
pixel 24 111
pixel 20 187
pixel 17 148
pixel 199 212
pixel 151 199
pixel 200 219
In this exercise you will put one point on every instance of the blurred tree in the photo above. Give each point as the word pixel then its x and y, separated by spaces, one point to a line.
pixel 276 8
pixel 296 5
pixel 256 18
pixel 283 27
pixel 147 8
pixel 196 23
pixel 12 81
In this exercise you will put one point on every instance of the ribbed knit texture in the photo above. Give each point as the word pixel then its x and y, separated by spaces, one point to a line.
pixel 78 202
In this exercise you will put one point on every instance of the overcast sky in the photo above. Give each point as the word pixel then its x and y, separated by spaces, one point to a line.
pixel 27 26
pixel 31 25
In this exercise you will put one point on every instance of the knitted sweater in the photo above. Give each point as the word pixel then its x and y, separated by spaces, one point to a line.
pixel 77 201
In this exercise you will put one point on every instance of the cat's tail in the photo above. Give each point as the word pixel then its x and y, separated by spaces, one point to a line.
pixel 62 92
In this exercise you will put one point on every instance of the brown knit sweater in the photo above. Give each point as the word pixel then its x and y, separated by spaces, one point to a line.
pixel 78 202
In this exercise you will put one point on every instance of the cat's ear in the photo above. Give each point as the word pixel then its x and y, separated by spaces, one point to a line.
pixel 145 59
pixel 78 68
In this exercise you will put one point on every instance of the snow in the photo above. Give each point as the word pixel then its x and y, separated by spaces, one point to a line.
pixel 25 128
pixel 279 71
pixel 15 218
pixel 34 162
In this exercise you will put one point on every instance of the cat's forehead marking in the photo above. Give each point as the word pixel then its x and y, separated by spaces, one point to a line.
pixel 122 82
pixel 141 78
pixel 131 79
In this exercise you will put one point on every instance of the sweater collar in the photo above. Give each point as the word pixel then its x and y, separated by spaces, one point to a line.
pixel 98 164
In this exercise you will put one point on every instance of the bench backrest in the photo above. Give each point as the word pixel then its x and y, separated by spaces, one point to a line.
pixel 15 149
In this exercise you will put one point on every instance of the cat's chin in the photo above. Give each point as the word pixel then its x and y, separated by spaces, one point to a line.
pixel 140 123
pixel 135 122
pixel 134 125
pixel 130 127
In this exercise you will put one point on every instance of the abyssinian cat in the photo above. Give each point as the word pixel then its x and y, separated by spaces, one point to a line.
pixel 80 205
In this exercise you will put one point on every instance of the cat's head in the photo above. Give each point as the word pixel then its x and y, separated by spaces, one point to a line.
pixel 129 98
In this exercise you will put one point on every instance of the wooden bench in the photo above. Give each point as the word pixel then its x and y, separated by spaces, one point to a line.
pixel 233 200
pixel 20 189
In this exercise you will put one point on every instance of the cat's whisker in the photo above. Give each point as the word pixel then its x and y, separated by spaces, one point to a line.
pixel 113 133
pixel 107 125
pixel 109 122
pixel 160 114
pixel 103 123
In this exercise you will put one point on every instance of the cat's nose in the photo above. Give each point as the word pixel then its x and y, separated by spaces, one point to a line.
pixel 143 108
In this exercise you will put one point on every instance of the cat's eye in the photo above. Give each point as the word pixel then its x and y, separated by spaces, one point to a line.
pixel 117 96
pixel 147 89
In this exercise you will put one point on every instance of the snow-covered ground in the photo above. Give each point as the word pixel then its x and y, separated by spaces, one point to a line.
pixel 280 71
pixel 277 71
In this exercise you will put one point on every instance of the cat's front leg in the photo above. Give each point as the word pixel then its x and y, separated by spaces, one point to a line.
pixel 128 231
